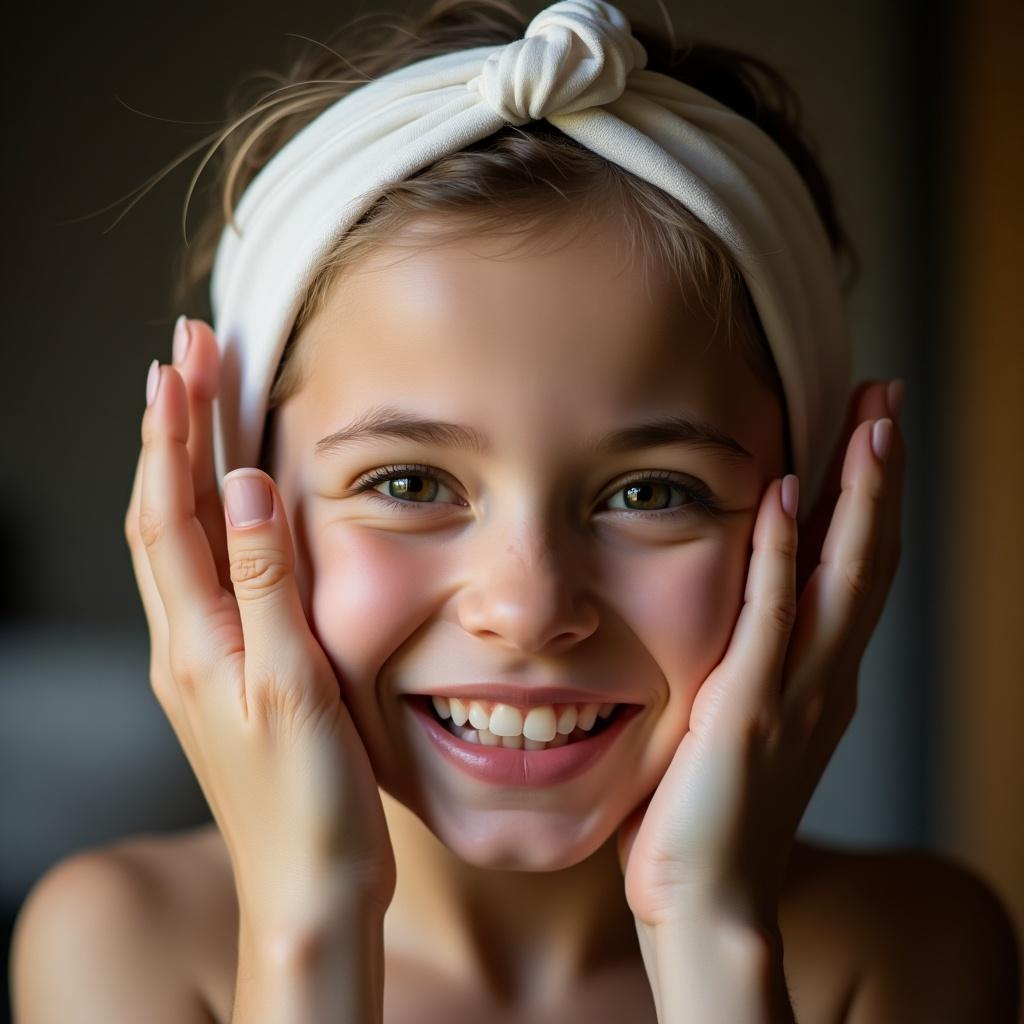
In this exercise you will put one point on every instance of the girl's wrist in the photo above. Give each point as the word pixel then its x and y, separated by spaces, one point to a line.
pixel 710 966
pixel 331 969
pixel 289 921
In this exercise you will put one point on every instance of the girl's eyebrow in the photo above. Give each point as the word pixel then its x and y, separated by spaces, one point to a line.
pixel 388 421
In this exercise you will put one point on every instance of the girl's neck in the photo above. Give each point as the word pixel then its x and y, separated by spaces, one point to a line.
pixel 515 934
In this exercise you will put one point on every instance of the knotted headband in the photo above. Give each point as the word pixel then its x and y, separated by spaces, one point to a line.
pixel 580 68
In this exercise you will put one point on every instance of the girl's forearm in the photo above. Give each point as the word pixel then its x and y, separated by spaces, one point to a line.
pixel 333 973
pixel 707 968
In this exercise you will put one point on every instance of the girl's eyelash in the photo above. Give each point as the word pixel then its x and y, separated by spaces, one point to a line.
pixel 701 500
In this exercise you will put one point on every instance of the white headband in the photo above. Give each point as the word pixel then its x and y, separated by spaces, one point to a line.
pixel 580 68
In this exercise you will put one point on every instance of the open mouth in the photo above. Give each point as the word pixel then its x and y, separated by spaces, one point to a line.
pixel 485 738
pixel 516 760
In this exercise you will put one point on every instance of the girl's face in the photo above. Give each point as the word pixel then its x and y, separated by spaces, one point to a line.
pixel 532 560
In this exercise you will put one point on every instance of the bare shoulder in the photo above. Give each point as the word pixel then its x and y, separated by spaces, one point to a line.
pixel 109 933
pixel 901 934
pixel 196 874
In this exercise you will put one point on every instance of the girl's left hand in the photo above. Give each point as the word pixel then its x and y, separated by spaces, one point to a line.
pixel 718 830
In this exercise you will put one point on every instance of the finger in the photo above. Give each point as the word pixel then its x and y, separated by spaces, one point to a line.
pixel 197 359
pixel 282 659
pixel 156 618
pixel 756 655
pixel 890 542
pixel 884 562
pixel 867 402
pixel 842 584
pixel 176 544
pixel 160 680
pixel 151 603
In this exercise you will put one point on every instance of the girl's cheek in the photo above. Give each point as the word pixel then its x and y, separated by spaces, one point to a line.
pixel 363 601
pixel 684 615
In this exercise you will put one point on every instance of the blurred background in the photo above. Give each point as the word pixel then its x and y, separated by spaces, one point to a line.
pixel 915 110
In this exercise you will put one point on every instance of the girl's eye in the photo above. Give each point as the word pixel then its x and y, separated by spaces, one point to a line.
pixel 413 485
pixel 643 495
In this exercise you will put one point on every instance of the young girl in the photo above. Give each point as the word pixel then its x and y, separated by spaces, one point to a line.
pixel 501 665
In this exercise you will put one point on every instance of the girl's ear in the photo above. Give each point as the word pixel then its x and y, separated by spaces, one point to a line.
pixel 867 402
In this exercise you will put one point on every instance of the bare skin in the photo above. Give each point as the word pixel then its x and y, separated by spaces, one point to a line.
pixel 872 937
pixel 426 982
pixel 519 589
pixel 508 571
pixel 513 589
pixel 525 564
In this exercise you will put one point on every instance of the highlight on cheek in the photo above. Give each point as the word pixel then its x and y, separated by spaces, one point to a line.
pixel 418 484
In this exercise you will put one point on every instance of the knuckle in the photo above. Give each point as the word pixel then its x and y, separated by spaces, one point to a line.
pixel 271 698
pixel 162 688
pixel 185 669
pixel 779 610
pixel 785 546
pixel 151 438
pixel 255 573
pixel 160 681
pixel 762 728
pixel 150 526
pixel 859 575
pixel 874 486
pixel 812 712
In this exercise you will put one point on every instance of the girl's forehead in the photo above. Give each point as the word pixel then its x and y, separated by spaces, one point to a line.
pixel 580 316
pixel 525 412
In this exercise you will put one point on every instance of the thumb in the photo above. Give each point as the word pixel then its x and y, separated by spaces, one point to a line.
pixel 261 558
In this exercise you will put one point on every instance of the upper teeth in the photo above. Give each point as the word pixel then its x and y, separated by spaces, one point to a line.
pixel 540 722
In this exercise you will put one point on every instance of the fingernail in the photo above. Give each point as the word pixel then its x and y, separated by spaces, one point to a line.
pixel 248 500
pixel 182 337
pixel 894 396
pixel 152 381
pixel 881 437
pixel 790 495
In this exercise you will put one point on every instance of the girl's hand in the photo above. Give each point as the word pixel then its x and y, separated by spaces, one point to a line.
pixel 718 830
pixel 249 692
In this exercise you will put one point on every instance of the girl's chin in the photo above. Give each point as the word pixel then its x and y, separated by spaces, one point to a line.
pixel 511 838
pixel 519 840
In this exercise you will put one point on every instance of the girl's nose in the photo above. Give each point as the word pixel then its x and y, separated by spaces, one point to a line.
pixel 526 596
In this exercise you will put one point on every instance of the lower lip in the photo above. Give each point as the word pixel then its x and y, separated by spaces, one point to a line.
pixel 506 766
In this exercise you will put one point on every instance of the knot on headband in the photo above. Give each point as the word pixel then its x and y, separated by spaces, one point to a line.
pixel 580 68
pixel 575 54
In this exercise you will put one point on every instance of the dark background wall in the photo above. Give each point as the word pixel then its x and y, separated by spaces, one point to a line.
pixel 93 105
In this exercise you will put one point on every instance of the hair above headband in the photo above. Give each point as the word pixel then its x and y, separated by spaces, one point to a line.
pixel 579 67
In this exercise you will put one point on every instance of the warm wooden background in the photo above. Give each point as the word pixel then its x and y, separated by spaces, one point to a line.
pixel 985 600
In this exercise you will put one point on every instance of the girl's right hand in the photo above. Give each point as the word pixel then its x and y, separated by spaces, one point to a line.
pixel 248 690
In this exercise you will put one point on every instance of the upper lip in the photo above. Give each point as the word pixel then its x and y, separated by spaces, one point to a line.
pixel 522 694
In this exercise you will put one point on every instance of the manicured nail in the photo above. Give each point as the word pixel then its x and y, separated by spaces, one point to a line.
pixel 182 337
pixel 790 495
pixel 152 381
pixel 894 396
pixel 881 437
pixel 248 500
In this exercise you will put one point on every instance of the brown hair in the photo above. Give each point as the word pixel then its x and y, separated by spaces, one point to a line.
pixel 515 180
